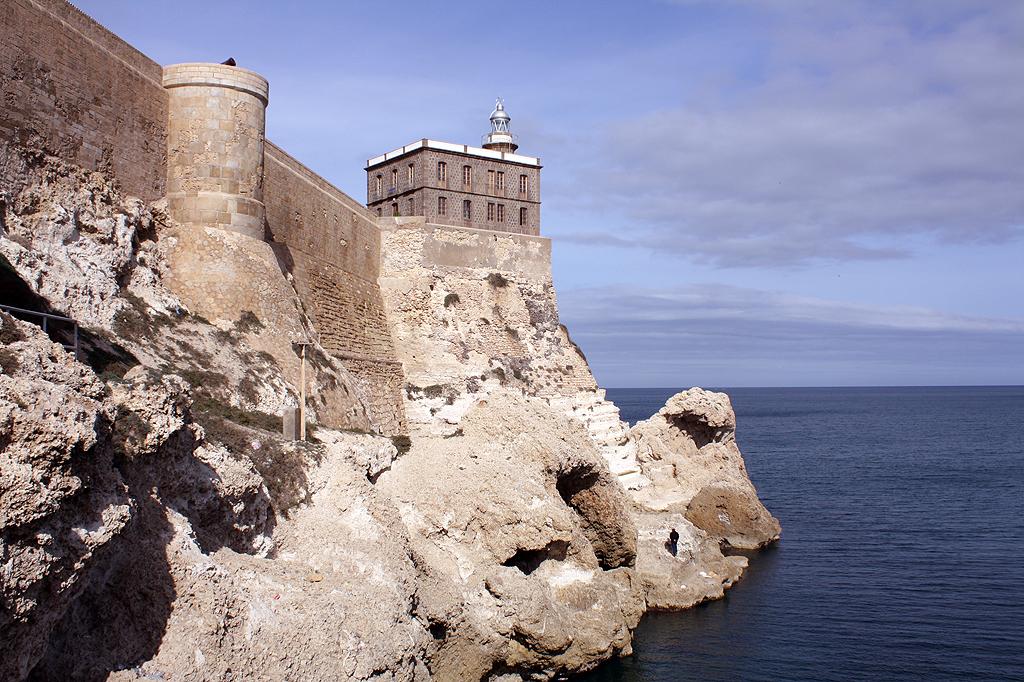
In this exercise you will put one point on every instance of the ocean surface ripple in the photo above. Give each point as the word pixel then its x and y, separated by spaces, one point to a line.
pixel 902 552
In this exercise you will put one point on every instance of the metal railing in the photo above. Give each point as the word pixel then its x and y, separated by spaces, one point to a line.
pixel 73 347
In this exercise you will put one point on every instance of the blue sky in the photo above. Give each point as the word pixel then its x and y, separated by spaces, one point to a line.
pixel 773 193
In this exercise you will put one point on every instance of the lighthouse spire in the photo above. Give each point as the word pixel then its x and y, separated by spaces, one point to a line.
pixel 500 139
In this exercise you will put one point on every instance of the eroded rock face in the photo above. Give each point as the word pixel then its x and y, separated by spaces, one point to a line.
pixel 155 525
pixel 335 600
pixel 61 501
pixel 470 313
pixel 520 517
pixel 95 231
pixel 689 452
pixel 128 540
pixel 117 265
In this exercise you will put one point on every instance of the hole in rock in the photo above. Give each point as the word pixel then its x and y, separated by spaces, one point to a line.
pixel 701 433
pixel 438 630
pixel 529 560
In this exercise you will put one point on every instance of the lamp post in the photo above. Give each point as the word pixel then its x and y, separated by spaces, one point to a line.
pixel 302 387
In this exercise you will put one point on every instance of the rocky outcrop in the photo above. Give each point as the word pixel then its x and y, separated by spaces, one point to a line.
pixel 518 516
pixel 156 526
pixel 473 312
pixel 62 502
pixel 688 450
pixel 129 539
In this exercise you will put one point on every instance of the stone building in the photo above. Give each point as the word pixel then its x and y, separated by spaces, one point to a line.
pixel 488 187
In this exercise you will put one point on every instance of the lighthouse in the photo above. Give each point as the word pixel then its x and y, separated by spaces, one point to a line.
pixel 489 187
pixel 500 139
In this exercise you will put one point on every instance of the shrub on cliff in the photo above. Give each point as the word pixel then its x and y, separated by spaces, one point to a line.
pixel 497 280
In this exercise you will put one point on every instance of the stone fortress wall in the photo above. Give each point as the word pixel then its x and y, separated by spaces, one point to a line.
pixel 331 245
pixel 74 89
pixel 426 317
pixel 217 119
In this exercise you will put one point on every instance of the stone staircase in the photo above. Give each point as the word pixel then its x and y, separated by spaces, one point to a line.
pixel 601 418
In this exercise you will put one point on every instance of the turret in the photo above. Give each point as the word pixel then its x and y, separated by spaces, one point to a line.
pixel 500 139
pixel 215 139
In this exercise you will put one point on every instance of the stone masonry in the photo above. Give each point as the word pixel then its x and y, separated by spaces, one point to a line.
pixel 416 183
pixel 215 146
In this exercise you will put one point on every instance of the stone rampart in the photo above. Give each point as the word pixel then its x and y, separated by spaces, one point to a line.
pixel 470 311
pixel 330 244
pixel 194 133
pixel 75 90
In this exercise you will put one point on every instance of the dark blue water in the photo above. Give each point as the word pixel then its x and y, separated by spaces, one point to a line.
pixel 902 552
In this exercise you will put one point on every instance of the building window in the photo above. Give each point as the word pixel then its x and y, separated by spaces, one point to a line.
pixel 380 211
pixel 410 175
pixel 524 184
pixel 490 210
pixel 379 185
pixel 394 209
pixel 412 207
pixel 467 176
pixel 501 181
pixel 501 213
pixel 490 182
pixel 467 210
pixel 522 216
pixel 394 178
pixel 442 206
pixel 442 172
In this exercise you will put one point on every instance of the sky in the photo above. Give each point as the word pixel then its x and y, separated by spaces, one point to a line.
pixel 739 192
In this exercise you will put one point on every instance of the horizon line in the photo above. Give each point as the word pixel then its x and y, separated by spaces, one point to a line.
pixel 669 388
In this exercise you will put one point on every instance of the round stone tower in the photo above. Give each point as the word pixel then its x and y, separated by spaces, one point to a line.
pixel 215 138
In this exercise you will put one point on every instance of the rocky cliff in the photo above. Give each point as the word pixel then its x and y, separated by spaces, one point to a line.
pixel 155 524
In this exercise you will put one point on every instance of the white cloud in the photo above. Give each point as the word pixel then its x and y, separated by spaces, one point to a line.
pixel 863 124
pixel 728 335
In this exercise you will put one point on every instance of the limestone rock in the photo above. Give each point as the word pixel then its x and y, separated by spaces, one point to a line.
pixel 697 573
pixel 156 525
pixel 521 517
pixel 336 600
pixel 61 501
pixel 71 236
pixel 688 450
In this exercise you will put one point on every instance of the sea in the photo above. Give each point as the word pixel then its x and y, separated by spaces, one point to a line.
pixel 902 550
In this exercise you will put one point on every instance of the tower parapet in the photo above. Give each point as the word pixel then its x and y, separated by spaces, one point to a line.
pixel 215 138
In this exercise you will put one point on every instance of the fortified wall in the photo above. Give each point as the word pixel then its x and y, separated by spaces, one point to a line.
pixel 426 318
pixel 74 90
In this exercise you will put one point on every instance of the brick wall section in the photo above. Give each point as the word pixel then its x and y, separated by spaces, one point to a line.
pixel 331 245
pixel 74 89
pixel 425 189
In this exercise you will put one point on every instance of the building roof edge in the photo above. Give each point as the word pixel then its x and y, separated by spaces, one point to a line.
pixel 456 148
